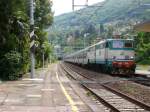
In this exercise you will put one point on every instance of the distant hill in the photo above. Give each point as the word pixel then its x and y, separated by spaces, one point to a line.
pixel 112 11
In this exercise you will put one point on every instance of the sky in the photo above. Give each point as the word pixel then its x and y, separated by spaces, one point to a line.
pixel 64 6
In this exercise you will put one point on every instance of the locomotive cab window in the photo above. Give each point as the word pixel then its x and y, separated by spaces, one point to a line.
pixel 128 45
pixel 121 44
pixel 117 44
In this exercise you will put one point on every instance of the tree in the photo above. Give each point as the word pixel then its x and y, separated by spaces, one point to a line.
pixel 142 48
pixel 14 34
pixel 110 30
pixel 101 28
pixel 43 19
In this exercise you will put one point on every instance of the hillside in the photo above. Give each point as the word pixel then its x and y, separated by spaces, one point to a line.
pixel 113 12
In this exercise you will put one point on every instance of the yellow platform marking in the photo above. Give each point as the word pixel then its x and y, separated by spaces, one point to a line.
pixel 72 103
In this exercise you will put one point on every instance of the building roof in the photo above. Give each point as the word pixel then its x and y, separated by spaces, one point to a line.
pixel 145 26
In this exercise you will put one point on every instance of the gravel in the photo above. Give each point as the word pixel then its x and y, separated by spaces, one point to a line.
pixel 137 91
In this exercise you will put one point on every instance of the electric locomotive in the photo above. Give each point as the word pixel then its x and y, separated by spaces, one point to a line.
pixel 115 56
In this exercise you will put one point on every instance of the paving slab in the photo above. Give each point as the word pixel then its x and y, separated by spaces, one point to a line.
pixel 49 91
pixel 144 72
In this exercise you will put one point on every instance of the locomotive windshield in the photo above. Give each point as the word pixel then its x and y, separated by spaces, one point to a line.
pixel 122 44
pixel 128 45
pixel 117 44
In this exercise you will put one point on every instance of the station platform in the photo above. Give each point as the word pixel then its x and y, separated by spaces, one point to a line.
pixel 49 91
pixel 143 70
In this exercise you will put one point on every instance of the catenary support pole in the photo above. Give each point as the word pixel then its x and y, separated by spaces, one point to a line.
pixel 72 5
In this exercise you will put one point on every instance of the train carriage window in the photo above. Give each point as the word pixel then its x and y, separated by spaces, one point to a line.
pixel 102 46
pixel 82 55
pixel 92 49
pixel 85 55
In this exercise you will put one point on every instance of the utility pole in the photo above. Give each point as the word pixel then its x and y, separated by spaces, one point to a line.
pixel 43 55
pixel 32 38
pixel 73 5
pixel 43 59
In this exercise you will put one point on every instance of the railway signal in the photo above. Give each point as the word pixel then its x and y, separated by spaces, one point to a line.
pixel 33 43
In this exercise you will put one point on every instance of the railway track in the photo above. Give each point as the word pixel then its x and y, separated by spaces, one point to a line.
pixel 137 78
pixel 112 99
pixel 141 80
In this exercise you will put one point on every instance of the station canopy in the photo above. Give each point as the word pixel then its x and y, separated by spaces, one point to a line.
pixel 144 27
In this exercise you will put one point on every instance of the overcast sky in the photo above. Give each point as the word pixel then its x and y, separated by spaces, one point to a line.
pixel 64 6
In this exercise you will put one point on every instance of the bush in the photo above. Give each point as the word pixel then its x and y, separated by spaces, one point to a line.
pixel 144 62
pixel 10 66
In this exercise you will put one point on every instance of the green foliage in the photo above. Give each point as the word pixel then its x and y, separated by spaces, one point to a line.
pixel 142 43
pixel 43 19
pixel 10 66
pixel 112 10
pixel 67 49
pixel 47 49
pixel 14 35
pixel 92 19
pixel 144 62
pixel 43 14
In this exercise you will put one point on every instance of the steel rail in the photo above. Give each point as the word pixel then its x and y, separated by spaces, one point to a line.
pixel 135 101
pixel 108 105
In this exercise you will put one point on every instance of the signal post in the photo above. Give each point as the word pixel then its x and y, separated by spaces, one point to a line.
pixel 32 39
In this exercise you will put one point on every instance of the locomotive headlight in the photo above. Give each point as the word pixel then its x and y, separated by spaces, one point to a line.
pixel 131 57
